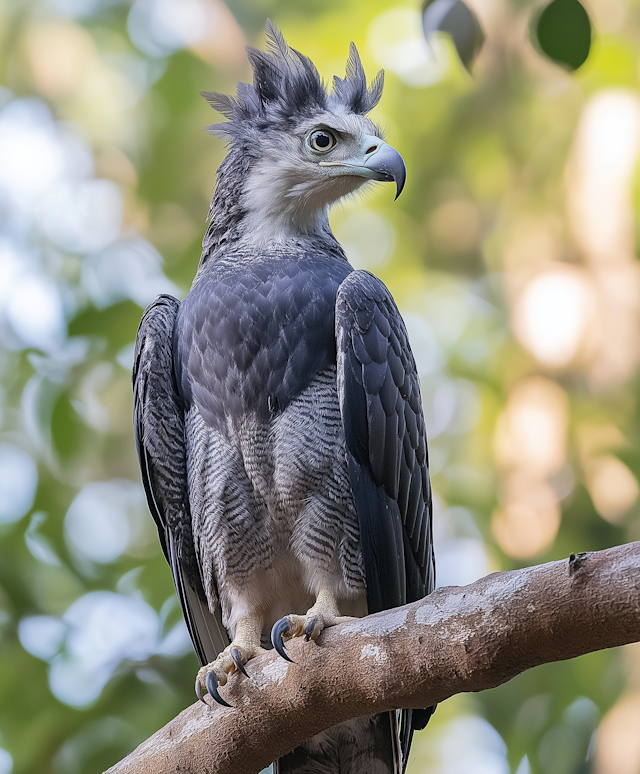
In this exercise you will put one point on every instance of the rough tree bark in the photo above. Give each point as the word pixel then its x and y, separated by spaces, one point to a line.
pixel 459 639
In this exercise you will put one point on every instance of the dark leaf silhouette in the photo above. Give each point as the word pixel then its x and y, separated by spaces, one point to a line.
pixel 562 32
pixel 459 21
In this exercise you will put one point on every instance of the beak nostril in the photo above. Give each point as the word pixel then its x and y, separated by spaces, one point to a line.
pixel 371 149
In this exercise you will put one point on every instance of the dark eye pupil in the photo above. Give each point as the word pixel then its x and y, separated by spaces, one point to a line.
pixel 322 141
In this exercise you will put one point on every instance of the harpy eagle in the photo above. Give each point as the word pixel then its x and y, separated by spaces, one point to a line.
pixel 278 416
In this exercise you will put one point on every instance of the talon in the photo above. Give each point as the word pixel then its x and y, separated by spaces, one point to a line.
pixel 279 628
pixel 237 660
pixel 308 629
pixel 212 686
pixel 199 691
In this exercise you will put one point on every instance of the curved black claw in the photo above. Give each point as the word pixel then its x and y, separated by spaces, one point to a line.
pixel 237 660
pixel 199 691
pixel 308 629
pixel 279 628
pixel 212 686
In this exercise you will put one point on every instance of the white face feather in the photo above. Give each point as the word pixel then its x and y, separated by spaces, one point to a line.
pixel 288 192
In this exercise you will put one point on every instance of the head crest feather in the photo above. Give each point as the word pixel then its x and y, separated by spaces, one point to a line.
pixel 287 86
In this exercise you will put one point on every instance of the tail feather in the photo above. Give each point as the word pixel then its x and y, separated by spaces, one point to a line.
pixel 366 745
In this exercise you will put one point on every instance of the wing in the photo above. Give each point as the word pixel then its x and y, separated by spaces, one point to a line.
pixel 160 441
pixel 386 443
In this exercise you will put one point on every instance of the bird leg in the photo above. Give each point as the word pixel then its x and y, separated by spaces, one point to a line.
pixel 245 645
pixel 324 613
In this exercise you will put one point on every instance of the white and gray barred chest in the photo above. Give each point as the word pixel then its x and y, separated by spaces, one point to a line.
pixel 273 499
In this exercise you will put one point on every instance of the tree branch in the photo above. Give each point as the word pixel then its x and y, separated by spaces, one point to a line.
pixel 459 639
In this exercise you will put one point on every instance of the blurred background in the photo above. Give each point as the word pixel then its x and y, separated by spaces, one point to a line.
pixel 512 255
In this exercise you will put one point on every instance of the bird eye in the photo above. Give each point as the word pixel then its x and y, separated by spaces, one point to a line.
pixel 321 140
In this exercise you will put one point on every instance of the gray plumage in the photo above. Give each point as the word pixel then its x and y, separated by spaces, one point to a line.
pixel 277 409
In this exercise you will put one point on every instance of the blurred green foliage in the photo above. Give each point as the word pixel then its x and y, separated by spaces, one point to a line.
pixel 488 159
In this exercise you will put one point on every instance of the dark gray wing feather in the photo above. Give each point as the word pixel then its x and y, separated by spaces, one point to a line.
pixel 160 441
pixel 386 443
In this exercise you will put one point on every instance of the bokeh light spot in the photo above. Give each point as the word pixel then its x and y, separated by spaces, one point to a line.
pixel 30 158
pixel 552 315
pixel 532 431
pixel 6 762
pixel 59 55
pixel 483 751
pixel 104 629
pixel 98 524
pixel 18 481
pixel 41 635
pixel 396 40
pixel 618 741
pixel 612 486
pixel 126 270
pixel 84 216
pixel 36 313
pixel 160 27
pixel 528 524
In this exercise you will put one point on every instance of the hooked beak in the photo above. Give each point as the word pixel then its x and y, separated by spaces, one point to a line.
pixel 379 162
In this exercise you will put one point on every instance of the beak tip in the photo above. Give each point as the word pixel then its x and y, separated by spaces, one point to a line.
pixel 400 181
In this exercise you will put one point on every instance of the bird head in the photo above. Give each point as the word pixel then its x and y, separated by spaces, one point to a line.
pixel 295 147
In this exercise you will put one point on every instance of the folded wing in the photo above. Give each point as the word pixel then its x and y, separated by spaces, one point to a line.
pixel 161 445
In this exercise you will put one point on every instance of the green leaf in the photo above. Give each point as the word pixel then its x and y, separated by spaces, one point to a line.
pixel 562 32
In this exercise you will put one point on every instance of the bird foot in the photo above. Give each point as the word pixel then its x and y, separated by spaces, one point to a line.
pixel 232 659
pixel 322 615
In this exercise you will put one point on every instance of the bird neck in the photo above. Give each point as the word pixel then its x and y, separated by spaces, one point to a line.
pixel 225 212
pixel 253 207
